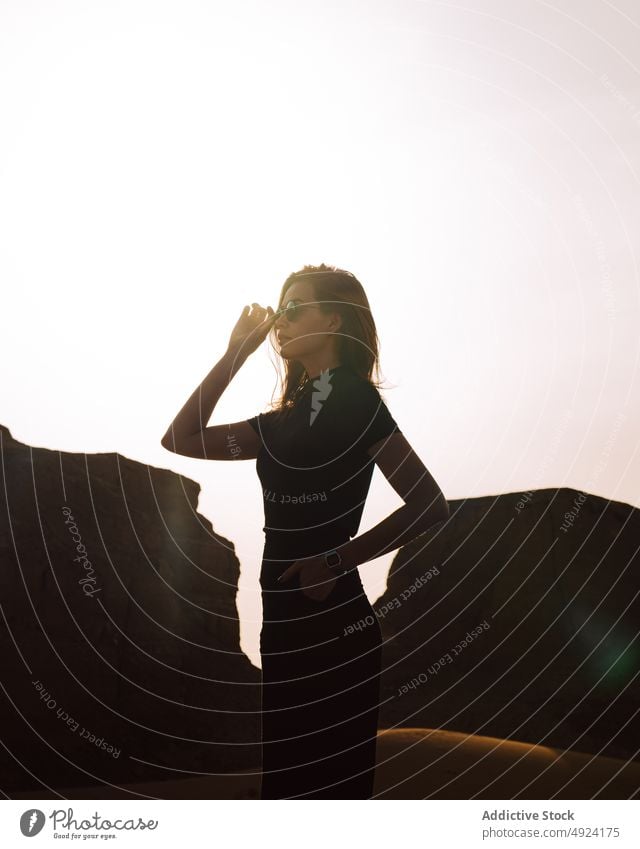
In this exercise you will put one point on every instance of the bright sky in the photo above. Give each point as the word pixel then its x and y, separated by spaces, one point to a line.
pixel 475 165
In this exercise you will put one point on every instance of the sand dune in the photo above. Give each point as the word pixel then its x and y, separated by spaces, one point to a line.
pixel 418 763
pixel 421 763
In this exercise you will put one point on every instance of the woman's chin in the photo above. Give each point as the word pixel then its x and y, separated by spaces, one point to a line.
pixel 286 352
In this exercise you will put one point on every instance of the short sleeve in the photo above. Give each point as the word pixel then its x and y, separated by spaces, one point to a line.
pixel 254 422
pixel 259 423
pixel 262 423
pixel 372 417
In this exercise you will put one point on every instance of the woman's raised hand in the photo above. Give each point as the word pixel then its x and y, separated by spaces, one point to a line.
pixel 251 329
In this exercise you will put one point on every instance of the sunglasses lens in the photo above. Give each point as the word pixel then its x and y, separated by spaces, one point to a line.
pixel 291 311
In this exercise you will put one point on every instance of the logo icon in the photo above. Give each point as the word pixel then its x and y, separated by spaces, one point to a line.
pixel 31 822
pixel 321 392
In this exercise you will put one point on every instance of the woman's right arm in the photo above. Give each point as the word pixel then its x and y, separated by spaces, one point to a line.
pixel 187 434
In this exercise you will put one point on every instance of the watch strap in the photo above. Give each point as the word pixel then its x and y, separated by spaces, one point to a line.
pixel 334 562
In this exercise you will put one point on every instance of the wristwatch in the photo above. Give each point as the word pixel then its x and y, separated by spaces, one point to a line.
pixel 334 563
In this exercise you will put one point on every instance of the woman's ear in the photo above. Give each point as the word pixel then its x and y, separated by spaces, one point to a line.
pixel 336 322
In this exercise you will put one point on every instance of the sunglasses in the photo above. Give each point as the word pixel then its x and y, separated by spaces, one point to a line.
pixel 294 309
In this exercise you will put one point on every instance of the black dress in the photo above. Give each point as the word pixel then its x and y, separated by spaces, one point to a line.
pixel 321 660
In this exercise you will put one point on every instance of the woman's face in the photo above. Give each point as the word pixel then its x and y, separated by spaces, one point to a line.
pixel 311 330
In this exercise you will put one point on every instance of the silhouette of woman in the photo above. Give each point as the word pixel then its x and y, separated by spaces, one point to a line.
pixel 320 642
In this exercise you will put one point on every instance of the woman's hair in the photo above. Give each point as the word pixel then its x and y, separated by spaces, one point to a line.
pixel 357 345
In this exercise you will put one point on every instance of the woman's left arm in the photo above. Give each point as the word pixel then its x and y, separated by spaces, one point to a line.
pixel 424 506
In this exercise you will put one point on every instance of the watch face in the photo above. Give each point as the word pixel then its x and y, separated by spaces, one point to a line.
pixel 333 559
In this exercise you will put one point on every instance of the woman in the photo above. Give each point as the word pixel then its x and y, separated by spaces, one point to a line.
pixel 320 642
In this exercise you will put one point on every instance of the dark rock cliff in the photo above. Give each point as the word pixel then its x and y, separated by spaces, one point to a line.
pixel 121 657
pixel 519 619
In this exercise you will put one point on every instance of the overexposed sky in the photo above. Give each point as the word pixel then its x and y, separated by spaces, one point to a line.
pixel 476 165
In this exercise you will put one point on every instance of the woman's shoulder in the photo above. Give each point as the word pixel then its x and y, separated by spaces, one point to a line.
pixel 262 423
pixel 358 388
pixel 363 405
